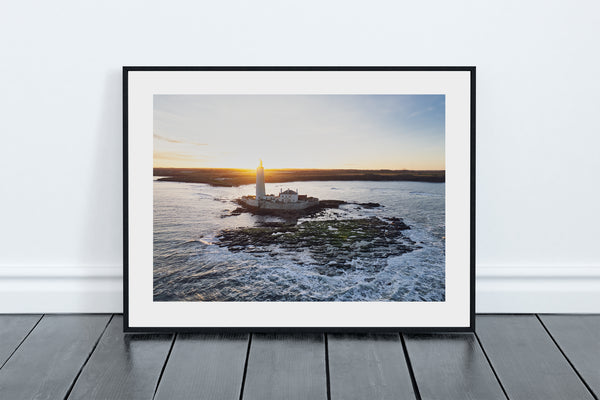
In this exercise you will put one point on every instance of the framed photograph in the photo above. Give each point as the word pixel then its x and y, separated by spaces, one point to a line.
pixel 299 198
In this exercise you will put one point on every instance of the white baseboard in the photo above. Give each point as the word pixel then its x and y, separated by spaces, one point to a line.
pixel 564 289
pixel 51 289
pixel 505 289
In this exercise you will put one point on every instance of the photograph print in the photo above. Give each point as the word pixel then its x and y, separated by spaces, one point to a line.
pixel 261 199
pixel 299 198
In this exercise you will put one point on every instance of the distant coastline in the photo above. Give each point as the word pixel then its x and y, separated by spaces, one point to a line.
pixel 236 177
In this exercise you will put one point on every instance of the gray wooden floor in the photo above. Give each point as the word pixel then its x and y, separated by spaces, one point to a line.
pixel 510 356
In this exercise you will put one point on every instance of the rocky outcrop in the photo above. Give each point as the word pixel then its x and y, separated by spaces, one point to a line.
pixel 333 244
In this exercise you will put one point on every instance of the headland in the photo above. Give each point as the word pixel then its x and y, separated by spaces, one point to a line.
pixel 229 177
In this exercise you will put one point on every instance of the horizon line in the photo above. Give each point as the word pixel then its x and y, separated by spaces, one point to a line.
pixel 304 169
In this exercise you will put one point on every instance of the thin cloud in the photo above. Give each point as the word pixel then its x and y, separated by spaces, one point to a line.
pixel 170 155
pixel 170 140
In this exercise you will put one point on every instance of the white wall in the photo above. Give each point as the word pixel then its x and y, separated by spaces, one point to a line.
pixel 538 127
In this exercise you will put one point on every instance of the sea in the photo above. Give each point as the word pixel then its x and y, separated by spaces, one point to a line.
pixel 189 265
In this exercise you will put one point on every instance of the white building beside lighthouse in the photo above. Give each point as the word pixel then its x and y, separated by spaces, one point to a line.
pixel 288 196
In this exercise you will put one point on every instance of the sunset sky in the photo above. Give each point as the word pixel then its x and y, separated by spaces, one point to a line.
pixel 300 131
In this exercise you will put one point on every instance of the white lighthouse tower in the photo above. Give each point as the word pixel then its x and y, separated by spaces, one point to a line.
pixel 260 182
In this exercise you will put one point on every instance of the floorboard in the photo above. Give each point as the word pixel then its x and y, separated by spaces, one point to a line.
pixel 13 329
pixel 46 364
pixel 368 366
pixel 123 366
pixel 579 338
pixel 526 360
pixel 451 366
pixel 208 367
pixel 86 357
pixel 286 366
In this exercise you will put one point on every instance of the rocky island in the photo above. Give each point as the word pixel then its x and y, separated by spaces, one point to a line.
pixel 335 245
pixel 288 204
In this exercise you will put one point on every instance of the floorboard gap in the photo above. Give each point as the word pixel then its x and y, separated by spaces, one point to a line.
pixel 491 366
pixel 567 358
pixel 87 359
pixel 162 371
pixel 21 342
pixel 246 366
pixel 410 369
pixel 327 375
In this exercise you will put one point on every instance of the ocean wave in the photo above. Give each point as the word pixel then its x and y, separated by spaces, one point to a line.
pixel 427 194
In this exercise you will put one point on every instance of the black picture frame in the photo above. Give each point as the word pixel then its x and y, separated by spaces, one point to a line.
pixel 129 327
